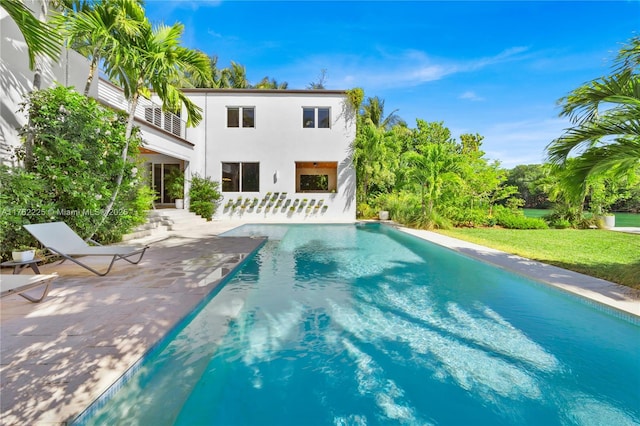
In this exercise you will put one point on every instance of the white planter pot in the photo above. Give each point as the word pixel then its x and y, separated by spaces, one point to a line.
pixel 609 221
pixel 383 215
pixel 23 256
pixel 179 203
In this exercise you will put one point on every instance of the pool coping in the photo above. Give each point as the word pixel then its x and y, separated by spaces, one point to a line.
pixel 618 297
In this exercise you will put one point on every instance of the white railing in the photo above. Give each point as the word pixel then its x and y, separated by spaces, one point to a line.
pixel 146 110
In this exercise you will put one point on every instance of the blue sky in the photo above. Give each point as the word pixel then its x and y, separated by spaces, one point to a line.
pixel 493 68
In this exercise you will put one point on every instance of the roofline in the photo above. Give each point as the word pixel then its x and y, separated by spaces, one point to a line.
pixel 273 91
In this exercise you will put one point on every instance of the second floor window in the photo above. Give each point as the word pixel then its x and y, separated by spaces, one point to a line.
pixel 240 117
pixel 316 118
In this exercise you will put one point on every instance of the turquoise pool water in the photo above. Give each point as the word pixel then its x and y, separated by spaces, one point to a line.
pixel 364 325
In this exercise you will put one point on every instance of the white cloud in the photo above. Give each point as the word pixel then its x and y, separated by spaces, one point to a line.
pixel 393 69
pixel 470 95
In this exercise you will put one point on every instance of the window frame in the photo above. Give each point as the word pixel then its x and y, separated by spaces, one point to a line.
pixel 240 176
pixel 316 117
pixel 241 116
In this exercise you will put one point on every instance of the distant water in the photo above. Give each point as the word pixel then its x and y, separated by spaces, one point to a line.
pixel 364 325
pixel 622 219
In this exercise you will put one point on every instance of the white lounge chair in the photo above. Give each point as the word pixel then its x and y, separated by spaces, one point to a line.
pixel 58 238
pixel 18 284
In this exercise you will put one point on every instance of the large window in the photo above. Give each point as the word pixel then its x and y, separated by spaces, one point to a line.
pixel 241 177
pixel 316 176
pixel 241 117
pixel 316 117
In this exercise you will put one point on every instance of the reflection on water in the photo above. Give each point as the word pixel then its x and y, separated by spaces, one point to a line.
pixel 346 325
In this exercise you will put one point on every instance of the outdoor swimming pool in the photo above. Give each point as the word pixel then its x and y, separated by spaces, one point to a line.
pixel 363 324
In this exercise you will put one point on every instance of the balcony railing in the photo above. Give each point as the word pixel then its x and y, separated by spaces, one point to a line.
pixel 146 110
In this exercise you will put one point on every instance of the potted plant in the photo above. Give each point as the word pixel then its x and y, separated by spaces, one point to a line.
pixel 175 187
pixel 23 253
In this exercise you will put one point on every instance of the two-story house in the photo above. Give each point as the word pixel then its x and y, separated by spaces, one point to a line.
pixel 279 155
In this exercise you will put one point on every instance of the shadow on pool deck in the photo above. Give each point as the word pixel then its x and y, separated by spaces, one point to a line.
pixel 59 355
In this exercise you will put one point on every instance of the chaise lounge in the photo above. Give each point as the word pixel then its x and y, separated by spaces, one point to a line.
pixel 59 239
pixel 18 284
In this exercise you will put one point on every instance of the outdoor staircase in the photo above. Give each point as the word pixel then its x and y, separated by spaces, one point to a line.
pixel 161 221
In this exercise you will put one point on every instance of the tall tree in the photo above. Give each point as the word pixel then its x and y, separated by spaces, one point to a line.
pixel 153 61
pixel 95 30
pixel 606 117
pixel 320 83
pixel 429 170
pixel 234 77
pixel 373 110
pixel 267 83
pixel 374 155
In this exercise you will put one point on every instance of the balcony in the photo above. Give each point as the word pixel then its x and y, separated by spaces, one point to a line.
pixel 146 110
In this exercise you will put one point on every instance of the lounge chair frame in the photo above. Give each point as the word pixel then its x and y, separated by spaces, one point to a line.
pixel 18 284
pixel 61 240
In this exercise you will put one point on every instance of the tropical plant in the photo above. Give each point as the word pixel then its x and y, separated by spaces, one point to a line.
pixel 155 61
pixel 429 171
pixel 204 195
pixel 96 31
pixel 321 81
pixel 175 183
pixel 373 111
pixel 234 77
pixel 76 160
pixel 267 83
pixel 373 156
pixel 606 116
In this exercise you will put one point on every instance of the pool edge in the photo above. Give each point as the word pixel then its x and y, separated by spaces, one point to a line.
pixel 593 289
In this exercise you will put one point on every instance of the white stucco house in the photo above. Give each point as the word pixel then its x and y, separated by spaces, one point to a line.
pixel 279 155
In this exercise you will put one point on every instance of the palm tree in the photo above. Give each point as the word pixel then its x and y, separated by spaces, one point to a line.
pixel 321 83
pixel 234 77
pixel 430 170
pixel 96 31
pixel 374 154
pixel 155 61
pixel 373 110
pixel 267 83
pixel 606 116
pixel 39 36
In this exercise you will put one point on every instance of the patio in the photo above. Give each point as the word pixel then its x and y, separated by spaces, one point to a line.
pixel 59 355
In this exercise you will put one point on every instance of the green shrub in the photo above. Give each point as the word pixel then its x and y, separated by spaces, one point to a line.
pixel 365 211
pixel 77 147
pixel 204 196
pixel 560 224
pixel 515 219
pixel 469 218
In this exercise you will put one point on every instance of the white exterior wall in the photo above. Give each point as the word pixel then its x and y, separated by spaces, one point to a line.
pixel 72 69
pixel 277 142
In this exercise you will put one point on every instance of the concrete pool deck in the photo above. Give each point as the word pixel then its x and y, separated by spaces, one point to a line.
pixel 58 356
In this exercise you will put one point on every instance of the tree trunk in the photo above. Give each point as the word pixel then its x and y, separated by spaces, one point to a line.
pixel 92 71
pixel 29 140
pixel 132 113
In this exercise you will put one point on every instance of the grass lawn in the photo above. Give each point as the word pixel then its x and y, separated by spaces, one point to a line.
pixel 613 256
pixel 622 219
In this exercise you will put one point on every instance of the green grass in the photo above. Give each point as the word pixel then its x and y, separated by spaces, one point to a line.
pixel 613 256
pixel 622 219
